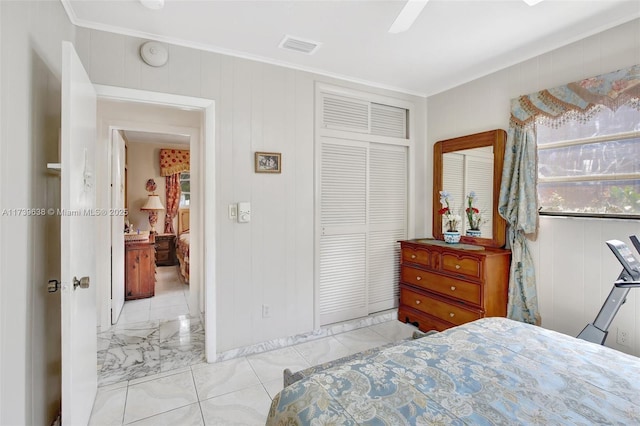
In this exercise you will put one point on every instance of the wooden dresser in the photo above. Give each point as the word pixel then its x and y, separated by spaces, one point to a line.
pixel 140 270
pixel 444 285
pixel 166 250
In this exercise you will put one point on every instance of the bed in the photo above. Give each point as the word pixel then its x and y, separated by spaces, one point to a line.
pixel 491 371
pixel 183 243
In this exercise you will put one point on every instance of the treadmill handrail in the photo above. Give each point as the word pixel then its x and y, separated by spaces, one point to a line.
pixel 627 284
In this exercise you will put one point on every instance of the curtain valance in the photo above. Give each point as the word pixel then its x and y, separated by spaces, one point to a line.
pixel 173 161
pixel 578 100
pixel 518 197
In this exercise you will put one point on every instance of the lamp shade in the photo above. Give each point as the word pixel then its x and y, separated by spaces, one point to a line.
pixel 153 203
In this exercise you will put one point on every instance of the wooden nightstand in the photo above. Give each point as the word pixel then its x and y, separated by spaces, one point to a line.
pixel 166 250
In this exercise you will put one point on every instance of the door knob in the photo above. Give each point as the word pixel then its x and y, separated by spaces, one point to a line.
pixel 82 282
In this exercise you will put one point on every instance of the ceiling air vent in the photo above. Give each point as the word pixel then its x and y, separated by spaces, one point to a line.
pixel 299 45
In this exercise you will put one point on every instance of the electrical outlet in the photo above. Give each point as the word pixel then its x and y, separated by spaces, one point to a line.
pixel 266 311
pixel 623 337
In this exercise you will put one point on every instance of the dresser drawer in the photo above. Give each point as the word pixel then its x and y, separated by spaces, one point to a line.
pixel 447 286
pixel 467 266
pixel 162 244
pixel 421 320
pixel 437 308
pixel 417 255
pixel 162 256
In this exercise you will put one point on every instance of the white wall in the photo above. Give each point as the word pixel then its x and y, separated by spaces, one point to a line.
pixel 144 164
pixel 31 35
pixel 574 268
pixel 259 107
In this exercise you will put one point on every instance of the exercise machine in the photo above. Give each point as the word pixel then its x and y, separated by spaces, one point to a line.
pixel 629 278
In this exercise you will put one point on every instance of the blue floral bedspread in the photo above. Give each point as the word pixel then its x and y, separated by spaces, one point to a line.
pixel 493 371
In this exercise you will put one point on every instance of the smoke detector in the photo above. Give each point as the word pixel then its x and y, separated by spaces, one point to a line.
pixel 154 53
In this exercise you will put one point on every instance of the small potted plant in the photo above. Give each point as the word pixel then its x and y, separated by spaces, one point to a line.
pixel 450 220
pixel 474 216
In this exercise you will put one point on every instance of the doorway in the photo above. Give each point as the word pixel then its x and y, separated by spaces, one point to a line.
pixel 202 146
pixel 166 294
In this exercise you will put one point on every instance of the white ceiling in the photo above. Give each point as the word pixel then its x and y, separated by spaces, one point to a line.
pixel 451 42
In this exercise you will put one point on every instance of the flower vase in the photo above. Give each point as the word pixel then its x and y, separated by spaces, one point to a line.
pixel 452 237
pixel 474 233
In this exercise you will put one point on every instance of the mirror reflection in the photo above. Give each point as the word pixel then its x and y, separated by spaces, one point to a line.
pixel 469 169
pixel 467 175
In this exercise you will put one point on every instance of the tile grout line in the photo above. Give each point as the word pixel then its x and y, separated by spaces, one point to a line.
pixel 195 386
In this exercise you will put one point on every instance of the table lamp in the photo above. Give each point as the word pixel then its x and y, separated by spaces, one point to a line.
pixel 153 205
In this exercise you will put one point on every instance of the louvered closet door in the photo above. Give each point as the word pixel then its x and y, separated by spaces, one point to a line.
pixel 363 215
pixel 343 240
pixel 453 180
pixel 387 223
pixel 465 173
pixel 477 169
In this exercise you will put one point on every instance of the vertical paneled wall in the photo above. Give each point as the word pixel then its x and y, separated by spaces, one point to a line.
pixel 259 107
pixel 574 268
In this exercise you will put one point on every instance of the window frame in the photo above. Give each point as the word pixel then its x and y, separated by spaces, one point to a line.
pixel 182 193
pixel 586 178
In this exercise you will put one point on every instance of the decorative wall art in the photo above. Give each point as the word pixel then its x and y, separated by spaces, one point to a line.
pixel 268 162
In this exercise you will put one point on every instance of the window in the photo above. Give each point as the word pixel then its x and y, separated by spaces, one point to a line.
pixel 591 168
pixel 185 189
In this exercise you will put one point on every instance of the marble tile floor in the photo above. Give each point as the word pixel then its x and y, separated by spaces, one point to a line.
pixel 152 335
pixel 235 391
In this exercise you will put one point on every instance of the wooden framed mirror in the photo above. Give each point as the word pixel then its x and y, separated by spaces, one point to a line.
pixel 465 164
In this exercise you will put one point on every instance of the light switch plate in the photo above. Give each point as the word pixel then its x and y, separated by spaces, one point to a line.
pixel 233 211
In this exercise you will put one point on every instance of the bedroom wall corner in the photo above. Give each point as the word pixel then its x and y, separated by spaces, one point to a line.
pixel 573 269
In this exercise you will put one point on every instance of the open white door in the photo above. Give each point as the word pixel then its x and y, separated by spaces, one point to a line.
pixel 77 228
pixel 117 225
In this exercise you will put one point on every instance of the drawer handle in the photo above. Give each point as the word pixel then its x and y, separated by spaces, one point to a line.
pixel 457 266
pixel 413 256
pixel 451 314
pixel 417 302
pixel 418 278
pixel 453 288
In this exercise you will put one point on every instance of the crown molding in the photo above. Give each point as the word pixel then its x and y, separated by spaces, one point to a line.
pixel 78 22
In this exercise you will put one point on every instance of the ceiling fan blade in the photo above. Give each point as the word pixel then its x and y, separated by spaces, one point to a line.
pixel 412 9
pixel 407 15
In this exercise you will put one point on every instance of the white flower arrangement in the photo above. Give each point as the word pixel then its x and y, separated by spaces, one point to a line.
pixel 450 220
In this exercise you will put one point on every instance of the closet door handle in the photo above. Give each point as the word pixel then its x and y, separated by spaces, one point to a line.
pixel 453 288
pixel 418 278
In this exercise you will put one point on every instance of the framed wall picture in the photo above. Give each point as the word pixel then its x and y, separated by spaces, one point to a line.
pixel 268 162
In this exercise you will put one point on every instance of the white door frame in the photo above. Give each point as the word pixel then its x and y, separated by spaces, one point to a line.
pixel 196 298
pixel 117 179
pixel 203 225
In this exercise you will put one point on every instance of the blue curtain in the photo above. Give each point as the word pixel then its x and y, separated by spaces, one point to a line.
pixel 518 203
